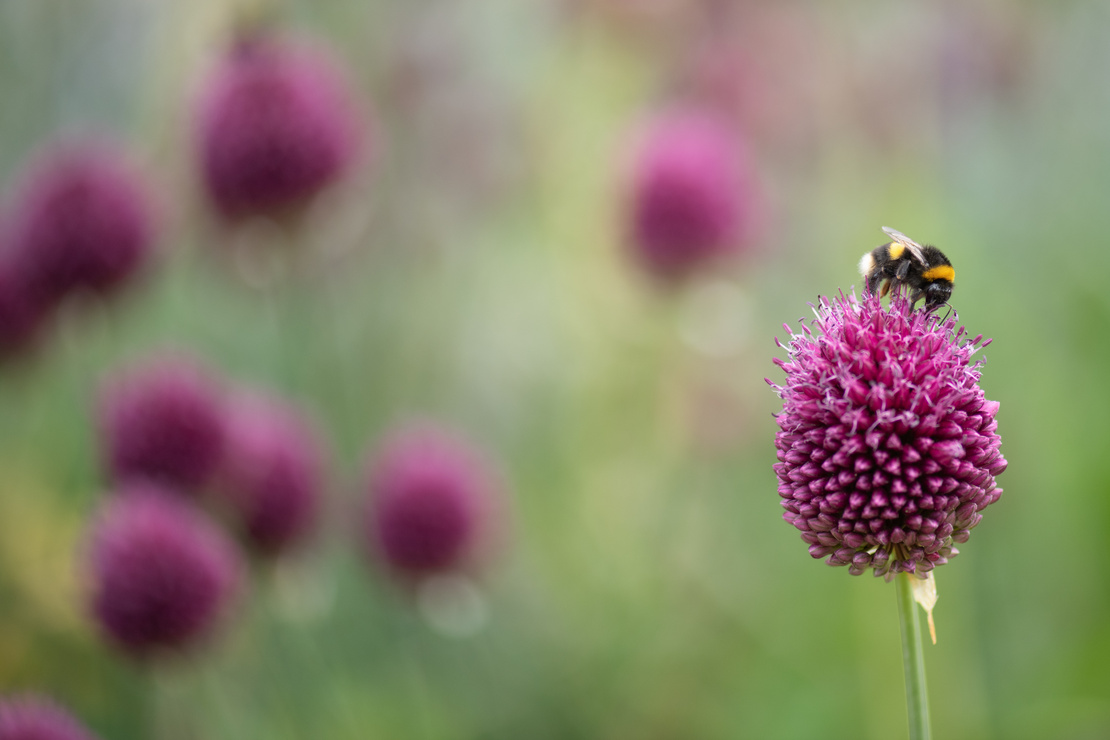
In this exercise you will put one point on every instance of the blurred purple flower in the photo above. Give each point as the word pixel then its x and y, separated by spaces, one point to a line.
pixel 272 477
pixel 694 196
pixel 22 314
pixel 162 574
pixel 82 219
pixel 431 500
pixel 164 422
pixel 33 717
pixel 887 446
pixel 275 125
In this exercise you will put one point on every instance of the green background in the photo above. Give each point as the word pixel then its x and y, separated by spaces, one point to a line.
pixel 647 587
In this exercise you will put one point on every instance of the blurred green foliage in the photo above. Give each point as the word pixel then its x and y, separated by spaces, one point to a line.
pixel 649 588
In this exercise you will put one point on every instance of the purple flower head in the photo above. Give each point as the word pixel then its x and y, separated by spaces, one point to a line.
pixel 164 422
pixel 275 125
pixel 32 717
pixel 272 476
pixel 430 501
pixel 161 573
pixel 22 314
pixel 82 219
pixel 887 446
pixel 694 197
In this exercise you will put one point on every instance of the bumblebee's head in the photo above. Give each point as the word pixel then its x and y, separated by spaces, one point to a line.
pixel 937 293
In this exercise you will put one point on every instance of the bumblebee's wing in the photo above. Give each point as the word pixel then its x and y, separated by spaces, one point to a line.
pixel 913 247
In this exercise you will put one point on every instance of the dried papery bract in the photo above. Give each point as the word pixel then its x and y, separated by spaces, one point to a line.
pixel 887 445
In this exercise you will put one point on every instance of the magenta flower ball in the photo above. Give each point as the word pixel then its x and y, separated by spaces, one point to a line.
pixel 275 125
pixel 33 717
pixel 23 316
pixel 694 196
pixel 163 421
pixel 888 448
pixel 272 479
pixel 161 574
pixel 82 218
pixel 430 501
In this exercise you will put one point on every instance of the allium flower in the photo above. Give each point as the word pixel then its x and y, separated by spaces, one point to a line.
pixel 694 197
pixel 31 717
pixel 430 501
pixel 887 446
pixel 161 573
pixel 163 422
pixel 272 477
pixel 82 219
pixel 275 125
pixel 22 314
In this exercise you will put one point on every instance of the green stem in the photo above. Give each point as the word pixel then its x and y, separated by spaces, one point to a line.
pixel 913 658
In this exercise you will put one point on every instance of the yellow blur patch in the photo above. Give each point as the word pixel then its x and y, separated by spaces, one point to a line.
pixel 39 543
pixel 895 250
pixel 940 272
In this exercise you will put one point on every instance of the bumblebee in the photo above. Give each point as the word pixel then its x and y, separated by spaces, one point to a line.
pixel 925 269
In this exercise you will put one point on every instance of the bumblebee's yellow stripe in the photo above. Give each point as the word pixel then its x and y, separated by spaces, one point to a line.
pixel 895 250
pixel 940 272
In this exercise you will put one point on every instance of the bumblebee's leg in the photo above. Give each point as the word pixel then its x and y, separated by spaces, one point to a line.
pixel 903 271
pixel 916 296
pixel 886 288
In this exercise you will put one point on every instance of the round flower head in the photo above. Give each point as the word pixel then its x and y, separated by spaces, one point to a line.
pixel 430 500
pixel 22 314
pixel 81 219
pixel 272 477
pixel 275 125
pixel 693 196
pixel 30 717
pixel 163 422
pixel 887 446
pixel 161 574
